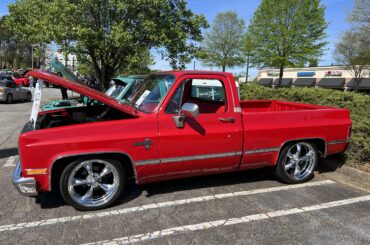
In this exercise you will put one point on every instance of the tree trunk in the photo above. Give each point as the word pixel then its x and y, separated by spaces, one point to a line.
pixel 281 73
pixel 247 71
pixel 223 68
pixel 65 59
pixel 356 84
pixel 107 73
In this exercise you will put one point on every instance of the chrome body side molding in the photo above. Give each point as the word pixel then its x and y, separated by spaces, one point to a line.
pixel 187 158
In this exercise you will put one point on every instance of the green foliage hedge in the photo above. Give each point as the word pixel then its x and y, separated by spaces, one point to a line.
pixel 358 104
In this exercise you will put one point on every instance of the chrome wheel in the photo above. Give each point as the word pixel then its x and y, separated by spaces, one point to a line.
pixel 300 161
pixel 93 183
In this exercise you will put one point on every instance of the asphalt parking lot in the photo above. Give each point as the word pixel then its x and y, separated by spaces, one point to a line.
pixel 240 208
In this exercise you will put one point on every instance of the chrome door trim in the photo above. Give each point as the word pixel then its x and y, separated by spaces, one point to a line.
pixel 342 141
pixel 262 150
pixel 187 158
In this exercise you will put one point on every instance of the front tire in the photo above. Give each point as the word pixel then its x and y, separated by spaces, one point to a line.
pixel 29 97
pixel 91 184
pixel 9 99
pixel 297 162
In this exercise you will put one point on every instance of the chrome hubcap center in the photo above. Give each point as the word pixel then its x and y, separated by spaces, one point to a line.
pixel 93 181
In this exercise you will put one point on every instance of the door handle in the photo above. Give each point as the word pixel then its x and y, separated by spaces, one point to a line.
pixel 227 119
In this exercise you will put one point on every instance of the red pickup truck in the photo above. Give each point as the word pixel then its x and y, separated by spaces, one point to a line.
pixel 175 124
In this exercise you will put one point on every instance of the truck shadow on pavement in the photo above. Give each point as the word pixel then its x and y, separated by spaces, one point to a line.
pixel 133 191
pixel 331 163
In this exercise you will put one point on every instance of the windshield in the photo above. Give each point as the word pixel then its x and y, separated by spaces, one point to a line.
pixel 115 89
pixel 129 89
pixel 148 94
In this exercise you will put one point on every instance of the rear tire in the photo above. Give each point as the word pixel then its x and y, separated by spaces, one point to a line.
pixel 90 184
pixel 9 99
pixel 297 162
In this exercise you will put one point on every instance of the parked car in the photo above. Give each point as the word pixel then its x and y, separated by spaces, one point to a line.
pixel 10 92
pixel 21 81
pixel 120 89
pixel 167 130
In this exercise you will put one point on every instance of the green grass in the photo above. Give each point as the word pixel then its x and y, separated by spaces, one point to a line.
pixel 359 104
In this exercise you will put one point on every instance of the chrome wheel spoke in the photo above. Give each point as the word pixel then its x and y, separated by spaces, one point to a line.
pixel 88 194
pixel 106 187
pixel 299 148
pixel 104 172
pixel 88 168
pixel 77 182
pixel 289 165
pixel 290 155
pixel 297 171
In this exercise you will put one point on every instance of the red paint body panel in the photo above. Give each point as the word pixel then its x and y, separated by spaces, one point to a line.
pixel 205 145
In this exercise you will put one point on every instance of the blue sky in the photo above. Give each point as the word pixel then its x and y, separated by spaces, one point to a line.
pixel 336 14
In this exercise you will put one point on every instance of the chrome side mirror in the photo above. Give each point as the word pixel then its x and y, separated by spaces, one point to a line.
pixel 187 110
pixel 190 110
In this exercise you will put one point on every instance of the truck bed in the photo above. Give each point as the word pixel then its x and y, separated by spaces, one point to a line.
pixel 275 105
pixel 269 124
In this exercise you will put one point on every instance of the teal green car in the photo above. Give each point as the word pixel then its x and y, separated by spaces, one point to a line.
pixel 121 88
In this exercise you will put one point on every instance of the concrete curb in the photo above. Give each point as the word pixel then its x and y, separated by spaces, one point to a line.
pixel 346 175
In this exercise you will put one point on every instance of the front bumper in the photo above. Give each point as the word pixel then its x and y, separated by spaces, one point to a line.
pixel 25 186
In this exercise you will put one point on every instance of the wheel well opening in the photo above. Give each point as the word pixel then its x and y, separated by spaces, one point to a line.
pixel 319 143
pixel 62 163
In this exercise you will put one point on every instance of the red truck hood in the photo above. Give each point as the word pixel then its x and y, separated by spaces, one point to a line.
pixel 82 89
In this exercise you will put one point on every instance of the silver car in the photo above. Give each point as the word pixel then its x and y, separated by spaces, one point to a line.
pixel 10 92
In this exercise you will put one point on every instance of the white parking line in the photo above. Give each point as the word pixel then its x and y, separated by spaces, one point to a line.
pixel 9 162
pixel 231 221
pixel 156 205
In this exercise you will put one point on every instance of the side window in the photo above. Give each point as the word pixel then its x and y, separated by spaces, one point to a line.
pixel 211 90
pixel 209 95
pixel 174 105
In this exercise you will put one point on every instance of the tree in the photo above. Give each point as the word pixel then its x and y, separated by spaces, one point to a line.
pixel 223 44
pixel 287 33
pixel 360 14
pixel 360 18
pixel 13 52
pixel 313 63
pixel 354 53
pixel 353 50
pixel 105 33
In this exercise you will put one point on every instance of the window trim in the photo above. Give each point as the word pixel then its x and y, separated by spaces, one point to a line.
pixel 182 84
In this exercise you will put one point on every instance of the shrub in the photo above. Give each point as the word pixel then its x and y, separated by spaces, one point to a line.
pixel 358 104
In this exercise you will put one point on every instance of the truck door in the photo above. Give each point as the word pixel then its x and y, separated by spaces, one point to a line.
pixel 211 142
